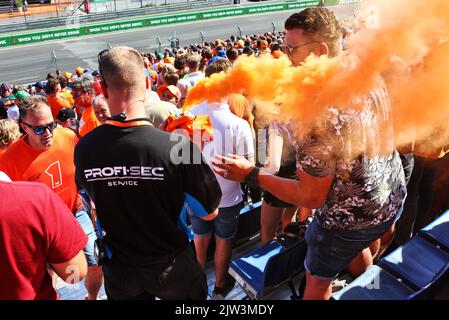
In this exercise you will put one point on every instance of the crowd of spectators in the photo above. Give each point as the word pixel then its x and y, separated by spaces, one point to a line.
pixel 110 121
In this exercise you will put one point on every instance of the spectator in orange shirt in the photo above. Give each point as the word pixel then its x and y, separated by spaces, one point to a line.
pixel 65 92
pixel 45 154
pixel 55 98
pixel 84 93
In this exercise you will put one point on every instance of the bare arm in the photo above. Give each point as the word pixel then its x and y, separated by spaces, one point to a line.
pixel 210 216
pixel 73 270
pixel 308 191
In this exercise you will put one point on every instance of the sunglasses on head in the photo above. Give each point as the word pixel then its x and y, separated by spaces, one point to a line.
pixel 99 66
pixel 40 130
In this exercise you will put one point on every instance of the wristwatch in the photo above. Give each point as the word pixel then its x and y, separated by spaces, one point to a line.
pixel 251 178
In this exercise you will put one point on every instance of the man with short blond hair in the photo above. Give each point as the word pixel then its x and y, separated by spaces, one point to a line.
pixel 119 78
pixel 195 75
pixel 140 194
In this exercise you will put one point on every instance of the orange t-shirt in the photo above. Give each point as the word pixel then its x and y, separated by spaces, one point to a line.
pixel 88 121
pixel 161 89
pixel 53 167
pixel 68 96
pixel 57 104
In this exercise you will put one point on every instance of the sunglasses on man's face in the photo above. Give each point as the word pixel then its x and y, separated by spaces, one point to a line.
pixel 40 130
pixel 292 50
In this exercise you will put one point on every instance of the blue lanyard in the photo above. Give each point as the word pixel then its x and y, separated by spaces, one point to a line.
pixel 100 236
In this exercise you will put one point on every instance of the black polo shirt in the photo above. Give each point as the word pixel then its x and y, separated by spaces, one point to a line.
pixel 139 177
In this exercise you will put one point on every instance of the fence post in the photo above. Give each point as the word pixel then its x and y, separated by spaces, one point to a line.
pixel 240 31
pixel 54 57
pixel 174 42
pixel 56 7
pixel 274 27
pixel 202 37
pixel 159 43
pixel 24 14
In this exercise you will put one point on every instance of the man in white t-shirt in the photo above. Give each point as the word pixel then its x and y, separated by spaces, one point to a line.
pixel 195 75
pixel 232 135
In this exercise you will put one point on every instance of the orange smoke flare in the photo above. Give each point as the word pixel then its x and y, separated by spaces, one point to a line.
pixel 406 41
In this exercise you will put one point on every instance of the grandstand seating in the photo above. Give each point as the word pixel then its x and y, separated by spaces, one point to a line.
pixel 376 284
pixel 438 232
pixel 418 263
pixel 249 223
pixel 411 271
pixel 269 266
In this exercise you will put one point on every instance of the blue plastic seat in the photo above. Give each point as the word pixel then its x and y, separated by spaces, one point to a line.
pixel 438 232
pixel 418 263
pixel 375 284
pixel 269 265
pixel 249 223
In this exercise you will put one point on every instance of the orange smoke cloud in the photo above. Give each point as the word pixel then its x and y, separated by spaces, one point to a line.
pixel 273 83
pixel 406 41
pixel 410 49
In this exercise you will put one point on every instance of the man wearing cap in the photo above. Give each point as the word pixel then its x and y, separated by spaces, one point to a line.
pixel 39 88
pixel 5 94
pixel 13 110
pixel 79 71
pixel 140 179
pixel 6 90
pixel 68 76
pixel 159 56
pixel 67 118
pixel 221 53
pixel 45 154
pixel 171 94
pixel 215 59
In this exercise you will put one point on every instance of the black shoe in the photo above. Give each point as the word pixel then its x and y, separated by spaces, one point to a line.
pixel 228 286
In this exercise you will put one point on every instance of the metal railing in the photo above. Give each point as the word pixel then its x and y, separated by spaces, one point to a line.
pixel 75 19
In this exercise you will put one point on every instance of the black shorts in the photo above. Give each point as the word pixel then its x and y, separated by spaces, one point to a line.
pixel 288 172
pixel 181 278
